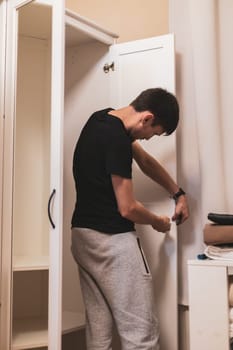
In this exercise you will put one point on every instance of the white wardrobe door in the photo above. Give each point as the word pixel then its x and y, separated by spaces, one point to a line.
pixel 2 82
pixel 56 171
pixel 140 65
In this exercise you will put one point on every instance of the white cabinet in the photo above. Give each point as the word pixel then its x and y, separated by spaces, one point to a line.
pixel 52 79
pixel 209 304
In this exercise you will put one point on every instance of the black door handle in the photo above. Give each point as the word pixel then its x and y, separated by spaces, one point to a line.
pixel 49 204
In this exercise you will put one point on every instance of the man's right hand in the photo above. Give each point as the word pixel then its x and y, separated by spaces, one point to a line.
pixel 162 224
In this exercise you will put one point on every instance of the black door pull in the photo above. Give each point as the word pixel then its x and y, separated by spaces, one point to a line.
pixel 49 204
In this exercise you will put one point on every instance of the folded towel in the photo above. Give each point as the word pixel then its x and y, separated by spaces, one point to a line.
pixel 231 315
pixel 231 294
pixel 231 330
pixel 219 253
pixel 218 234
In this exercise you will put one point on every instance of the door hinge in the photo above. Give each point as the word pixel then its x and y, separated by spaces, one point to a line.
pixel 107 67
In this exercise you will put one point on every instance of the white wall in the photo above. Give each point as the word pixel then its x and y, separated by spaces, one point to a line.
pixel 131 19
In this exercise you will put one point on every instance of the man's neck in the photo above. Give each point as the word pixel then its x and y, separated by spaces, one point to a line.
pixel 128 116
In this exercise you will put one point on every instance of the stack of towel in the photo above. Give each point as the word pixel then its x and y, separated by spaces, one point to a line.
pixel 231 310
pixel 218 237
pixel 220 253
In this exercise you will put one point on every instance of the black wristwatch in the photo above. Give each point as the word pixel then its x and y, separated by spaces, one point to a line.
pixel 178 194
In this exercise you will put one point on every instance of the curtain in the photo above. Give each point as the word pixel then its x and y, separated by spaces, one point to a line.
pixel 204 86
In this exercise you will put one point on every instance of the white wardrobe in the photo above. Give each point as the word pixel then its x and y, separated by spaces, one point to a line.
pixel 56 69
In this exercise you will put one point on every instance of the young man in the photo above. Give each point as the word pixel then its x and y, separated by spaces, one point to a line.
pixel 115 285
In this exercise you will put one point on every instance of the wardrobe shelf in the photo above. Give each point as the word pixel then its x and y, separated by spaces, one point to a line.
pixel 30 333
pixel 30 263
pixel 33 332
pixel 72 321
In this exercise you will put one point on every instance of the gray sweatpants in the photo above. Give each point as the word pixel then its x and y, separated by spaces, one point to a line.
pixel 117 288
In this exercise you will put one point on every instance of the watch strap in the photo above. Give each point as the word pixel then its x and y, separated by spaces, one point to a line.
pixel 179 193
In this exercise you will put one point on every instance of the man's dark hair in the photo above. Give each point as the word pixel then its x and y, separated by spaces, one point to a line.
pixel 162 104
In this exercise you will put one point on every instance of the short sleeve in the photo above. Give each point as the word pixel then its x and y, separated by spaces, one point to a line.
pixel 119 156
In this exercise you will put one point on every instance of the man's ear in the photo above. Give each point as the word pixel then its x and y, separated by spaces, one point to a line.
pixel 148 118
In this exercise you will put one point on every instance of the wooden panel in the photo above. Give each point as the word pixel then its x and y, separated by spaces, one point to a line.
pixel 32 148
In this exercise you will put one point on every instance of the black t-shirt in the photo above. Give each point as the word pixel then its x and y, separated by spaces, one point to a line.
pixel 104 148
